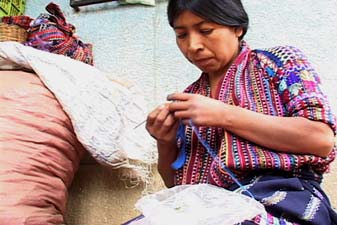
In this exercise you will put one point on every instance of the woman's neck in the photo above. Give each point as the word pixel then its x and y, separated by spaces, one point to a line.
pixel 214 82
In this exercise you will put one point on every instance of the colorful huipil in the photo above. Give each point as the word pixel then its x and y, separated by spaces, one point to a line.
pixel 279 82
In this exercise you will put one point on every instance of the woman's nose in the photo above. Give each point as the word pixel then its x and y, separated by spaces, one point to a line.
pixel 195 43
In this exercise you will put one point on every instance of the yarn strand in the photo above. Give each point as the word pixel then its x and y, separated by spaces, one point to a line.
pixel 216 158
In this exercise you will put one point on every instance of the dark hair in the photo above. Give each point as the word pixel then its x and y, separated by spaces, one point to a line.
pixel 224 12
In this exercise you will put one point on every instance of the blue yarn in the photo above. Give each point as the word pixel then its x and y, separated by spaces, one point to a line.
pixel 216 158
pixel 179 162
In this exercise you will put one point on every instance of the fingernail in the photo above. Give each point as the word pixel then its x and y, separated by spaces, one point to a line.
pixel 168 97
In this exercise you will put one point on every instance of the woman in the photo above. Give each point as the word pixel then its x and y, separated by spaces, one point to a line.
pixel 262 111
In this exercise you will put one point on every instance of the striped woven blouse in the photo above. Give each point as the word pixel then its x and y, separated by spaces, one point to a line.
pixel 278 81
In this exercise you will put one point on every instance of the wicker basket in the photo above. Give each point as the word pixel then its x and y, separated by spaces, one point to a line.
pixel 12 33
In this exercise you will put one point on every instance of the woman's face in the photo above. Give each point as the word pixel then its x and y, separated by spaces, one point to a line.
pixel 209 46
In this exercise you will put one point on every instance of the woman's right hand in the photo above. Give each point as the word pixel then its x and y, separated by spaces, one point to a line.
pixel 162 125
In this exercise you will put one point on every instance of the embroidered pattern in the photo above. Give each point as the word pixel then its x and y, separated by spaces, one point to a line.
pixel 311 208
pixel 269 219
pixel 277 81
pixel 274 199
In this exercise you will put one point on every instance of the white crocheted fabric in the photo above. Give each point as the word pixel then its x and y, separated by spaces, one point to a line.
pixel 103 113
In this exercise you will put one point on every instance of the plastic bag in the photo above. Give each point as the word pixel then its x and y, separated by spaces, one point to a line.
pixel 201 204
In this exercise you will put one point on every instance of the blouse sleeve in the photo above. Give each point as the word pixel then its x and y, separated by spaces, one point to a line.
pixel 299 86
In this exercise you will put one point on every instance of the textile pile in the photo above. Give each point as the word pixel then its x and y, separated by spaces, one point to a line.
pixel 50 32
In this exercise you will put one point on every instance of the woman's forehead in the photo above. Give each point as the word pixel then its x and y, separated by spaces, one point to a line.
pixel 187 18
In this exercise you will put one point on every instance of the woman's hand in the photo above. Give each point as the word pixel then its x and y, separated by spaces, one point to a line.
pixel 287 134
pixel 203 111
pixel 162 125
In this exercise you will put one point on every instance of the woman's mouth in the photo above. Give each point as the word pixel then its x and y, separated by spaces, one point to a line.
pixel 202 62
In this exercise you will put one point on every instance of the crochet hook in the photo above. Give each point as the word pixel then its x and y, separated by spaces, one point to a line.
pixel 138 125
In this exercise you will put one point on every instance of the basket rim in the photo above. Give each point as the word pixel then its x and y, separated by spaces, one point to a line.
pixel 12 32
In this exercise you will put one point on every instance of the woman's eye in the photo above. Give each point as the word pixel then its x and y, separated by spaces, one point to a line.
pixel 181 35
pixel 206 31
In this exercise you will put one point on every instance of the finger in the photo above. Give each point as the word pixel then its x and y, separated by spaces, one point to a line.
pixel 161 117
pixel 169 123
pixel 151 118
pixel 172 127
pixel 178 97
pixel 165 129
pixel 152 123
pixel 178 105
pixel 176 125
pixel 182 114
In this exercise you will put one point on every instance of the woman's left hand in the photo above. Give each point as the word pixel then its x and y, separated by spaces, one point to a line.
pixel 203 111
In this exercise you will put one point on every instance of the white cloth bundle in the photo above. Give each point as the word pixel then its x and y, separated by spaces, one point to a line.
pixel 201 204
pixel 103 113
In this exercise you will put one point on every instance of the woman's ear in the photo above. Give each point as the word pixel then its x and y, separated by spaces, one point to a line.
pixel 238 31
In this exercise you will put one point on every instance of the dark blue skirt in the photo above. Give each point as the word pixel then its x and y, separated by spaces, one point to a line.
pixel 292 200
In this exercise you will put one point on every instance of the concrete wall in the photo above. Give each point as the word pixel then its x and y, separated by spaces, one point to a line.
pixel 134 42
